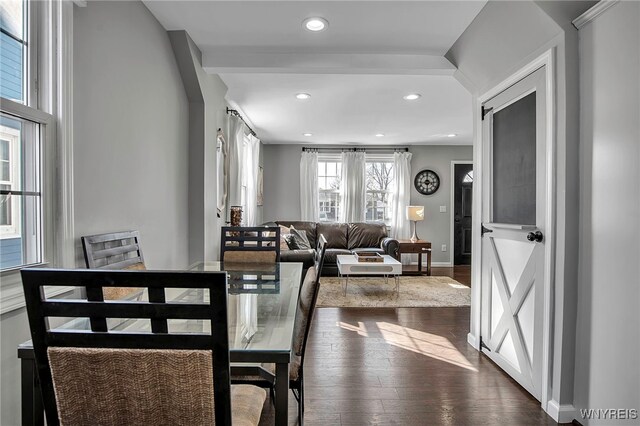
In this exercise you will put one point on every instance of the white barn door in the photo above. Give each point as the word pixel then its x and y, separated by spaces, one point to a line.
pixel 513 228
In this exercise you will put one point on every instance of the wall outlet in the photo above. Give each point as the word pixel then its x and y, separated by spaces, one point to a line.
pixel 444 247
pixel 443 209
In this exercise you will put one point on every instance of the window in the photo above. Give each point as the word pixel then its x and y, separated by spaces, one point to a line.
pixel 14 50
pixel 22 144
pixel 379 186
pixel 329 175
pixel 9 173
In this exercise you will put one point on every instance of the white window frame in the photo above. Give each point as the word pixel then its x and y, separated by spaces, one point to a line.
pixel 49 103
pixel 380 158
pixel 336 158
pixel 11 136
pixel 328 158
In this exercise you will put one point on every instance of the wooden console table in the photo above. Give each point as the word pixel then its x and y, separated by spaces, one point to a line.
pixel 420 247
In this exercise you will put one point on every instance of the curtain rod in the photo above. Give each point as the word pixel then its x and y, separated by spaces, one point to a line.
pixel 237 114
pixel 402 149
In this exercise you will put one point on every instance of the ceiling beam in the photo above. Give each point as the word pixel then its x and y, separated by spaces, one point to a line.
pixel 221 62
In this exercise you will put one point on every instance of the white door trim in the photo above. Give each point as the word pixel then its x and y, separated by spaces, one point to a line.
pixel 451 205
pixel 545 60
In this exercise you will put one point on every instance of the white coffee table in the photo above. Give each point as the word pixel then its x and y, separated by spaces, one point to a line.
pixel 348 265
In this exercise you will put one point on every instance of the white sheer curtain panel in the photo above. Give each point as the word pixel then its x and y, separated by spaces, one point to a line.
pixel 236 151
pixel 353 186
pixel 309 186
pixel 250 170
pixel 401 195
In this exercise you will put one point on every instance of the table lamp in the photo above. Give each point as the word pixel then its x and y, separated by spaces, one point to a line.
pixel 415 213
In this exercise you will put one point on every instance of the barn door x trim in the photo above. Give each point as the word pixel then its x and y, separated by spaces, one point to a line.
pixel 545 60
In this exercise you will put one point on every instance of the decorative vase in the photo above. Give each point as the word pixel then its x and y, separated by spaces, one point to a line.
pixel 236 215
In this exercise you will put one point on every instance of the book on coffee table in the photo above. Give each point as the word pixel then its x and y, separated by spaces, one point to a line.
pixel 369 257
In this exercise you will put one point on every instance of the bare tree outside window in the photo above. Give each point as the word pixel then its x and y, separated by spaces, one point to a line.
pixel 379 175
pixel 378 198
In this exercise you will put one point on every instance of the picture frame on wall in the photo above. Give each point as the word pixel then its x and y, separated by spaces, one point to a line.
pixel 260 191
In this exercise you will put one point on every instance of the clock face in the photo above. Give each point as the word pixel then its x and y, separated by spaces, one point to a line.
pixel 427 182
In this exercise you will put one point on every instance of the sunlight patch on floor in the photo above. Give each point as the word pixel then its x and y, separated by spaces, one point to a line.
pixel 360 329
pixel 431 345
pixel 457 285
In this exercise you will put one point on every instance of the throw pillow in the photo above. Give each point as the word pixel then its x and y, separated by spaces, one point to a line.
pixel 301 240
pixel 291 242
pixel 284 231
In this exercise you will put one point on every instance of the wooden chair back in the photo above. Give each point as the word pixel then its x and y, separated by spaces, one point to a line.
pixel 146 387
pixel 115 250
pixel 321 248
pixel 257 244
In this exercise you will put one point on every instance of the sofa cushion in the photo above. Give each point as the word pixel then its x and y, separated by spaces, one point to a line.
pixel 330 255
pixel 306 257
pixel 366 235
pixel 308 227
pixel 335 233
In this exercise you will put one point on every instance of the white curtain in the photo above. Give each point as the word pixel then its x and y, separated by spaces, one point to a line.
pixel 401 195
pixel 250 171
pixel 353 187
pixel 236 148
pixel 309 186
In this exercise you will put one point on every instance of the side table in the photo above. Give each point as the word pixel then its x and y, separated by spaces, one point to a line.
pixel 419 247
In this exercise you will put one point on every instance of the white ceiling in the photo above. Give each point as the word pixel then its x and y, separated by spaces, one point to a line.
pixel 372 54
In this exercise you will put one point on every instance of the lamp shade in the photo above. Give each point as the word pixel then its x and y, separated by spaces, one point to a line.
pixel 415 212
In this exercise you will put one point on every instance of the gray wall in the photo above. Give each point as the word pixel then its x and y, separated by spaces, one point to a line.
pixel 282 188
pixel 608 335
pixel 207 113
pixel 436 226
pixel 281 182
pixel 499 40
pixel 130 150
pixel 14 329
pixel 130 131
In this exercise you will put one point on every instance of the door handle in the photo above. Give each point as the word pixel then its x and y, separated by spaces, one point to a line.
pixel 535 236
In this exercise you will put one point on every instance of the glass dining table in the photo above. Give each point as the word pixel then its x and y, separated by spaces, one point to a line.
pixel 262 304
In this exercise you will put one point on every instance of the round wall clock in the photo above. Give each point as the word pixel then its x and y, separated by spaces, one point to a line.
pixel 427 182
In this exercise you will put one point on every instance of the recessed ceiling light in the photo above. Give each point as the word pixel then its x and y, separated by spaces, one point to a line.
pixel 451 135
pixel 379 135
pixel 412 96
pixel 303 96
pixel 315 24
pixel 307 134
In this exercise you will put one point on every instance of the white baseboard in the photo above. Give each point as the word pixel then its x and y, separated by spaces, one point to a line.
pixel 441 264
pixel 471 339
pixel 435 264
pixel 561 413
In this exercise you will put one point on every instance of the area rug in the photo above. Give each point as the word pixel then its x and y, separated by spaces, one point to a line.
pixel 415 291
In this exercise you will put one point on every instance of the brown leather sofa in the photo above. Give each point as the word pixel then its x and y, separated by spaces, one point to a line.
pixel 342 238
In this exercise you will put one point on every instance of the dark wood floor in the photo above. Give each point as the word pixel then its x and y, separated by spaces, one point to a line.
pixel 461 273
pixel 407 366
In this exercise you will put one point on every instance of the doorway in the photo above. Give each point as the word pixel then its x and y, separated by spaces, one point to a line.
pixel 462 211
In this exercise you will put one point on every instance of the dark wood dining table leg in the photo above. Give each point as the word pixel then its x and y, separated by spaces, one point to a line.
pixel 32 409
pixel 282 393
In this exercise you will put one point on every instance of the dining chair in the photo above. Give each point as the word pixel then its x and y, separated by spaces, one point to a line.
pixel 256 244
pixel 158 376
pixel 114 250
pixel 265 376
